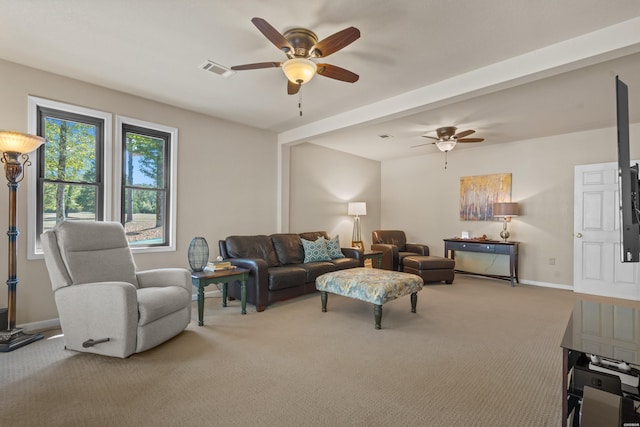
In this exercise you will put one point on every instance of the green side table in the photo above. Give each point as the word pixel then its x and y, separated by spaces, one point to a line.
pixel 202 279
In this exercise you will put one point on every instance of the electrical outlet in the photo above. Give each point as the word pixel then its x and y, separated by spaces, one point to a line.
pixel 552 261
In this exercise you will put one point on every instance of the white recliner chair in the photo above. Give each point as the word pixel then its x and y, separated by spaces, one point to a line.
pixel 105 305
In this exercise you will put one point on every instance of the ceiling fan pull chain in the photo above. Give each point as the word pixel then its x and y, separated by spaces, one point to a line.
pixel 300 100
pixel 445 159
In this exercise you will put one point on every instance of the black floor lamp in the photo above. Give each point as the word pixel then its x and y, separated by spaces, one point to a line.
pixel 15 147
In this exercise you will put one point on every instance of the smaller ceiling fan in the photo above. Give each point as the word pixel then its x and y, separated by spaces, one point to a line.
pixel 447 138
pixel 301 45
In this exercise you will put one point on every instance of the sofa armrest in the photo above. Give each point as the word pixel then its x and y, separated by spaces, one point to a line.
pixel 97 311
pixel 354 253
pixel 258 282
pixel 418 248
pixel 165 277
pixel 389 254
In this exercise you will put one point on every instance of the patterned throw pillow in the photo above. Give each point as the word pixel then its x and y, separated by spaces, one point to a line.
pixel 315 251
pixel 333 247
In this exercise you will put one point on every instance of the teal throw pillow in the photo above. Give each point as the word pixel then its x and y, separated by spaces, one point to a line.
pixel 333 248
pixel 315 251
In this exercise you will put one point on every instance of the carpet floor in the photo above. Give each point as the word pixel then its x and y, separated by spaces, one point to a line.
pixel 477 353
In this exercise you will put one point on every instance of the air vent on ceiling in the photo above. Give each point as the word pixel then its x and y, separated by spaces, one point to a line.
pixel 218 69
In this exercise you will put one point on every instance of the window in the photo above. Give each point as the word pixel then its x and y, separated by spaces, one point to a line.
pixel 145 185
pixel 70 182
pixel 146 200
pixel 73 176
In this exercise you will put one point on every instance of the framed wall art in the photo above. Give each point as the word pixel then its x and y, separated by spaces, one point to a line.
pixel 479 193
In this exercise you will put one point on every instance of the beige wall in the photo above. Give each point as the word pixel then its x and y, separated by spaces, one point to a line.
pixel 421 197
pixel 227 177
pixel 228 184
pixel 322 182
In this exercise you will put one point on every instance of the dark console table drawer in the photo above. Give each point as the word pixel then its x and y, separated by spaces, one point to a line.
pixel 491 247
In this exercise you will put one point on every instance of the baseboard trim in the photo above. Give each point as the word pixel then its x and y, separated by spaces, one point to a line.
pixel 547 285
pixel 210 294
pixel 525 282
pixel 41 325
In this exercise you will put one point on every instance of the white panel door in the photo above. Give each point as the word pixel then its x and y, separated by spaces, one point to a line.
pixel 597 268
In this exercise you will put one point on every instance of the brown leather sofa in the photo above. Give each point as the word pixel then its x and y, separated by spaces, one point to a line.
pixel 277 270
pixel 394 247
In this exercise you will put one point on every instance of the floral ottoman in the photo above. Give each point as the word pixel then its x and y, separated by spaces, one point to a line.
pixel 371 285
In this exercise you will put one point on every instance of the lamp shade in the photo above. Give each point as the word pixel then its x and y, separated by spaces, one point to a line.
pixel 506 209
pixel 357 208
pixel 16 142
pixel 299 70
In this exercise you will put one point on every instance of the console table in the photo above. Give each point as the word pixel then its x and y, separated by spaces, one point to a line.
pixel 487 247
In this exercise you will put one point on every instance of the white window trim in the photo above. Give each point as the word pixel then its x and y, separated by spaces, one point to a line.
pixel 32 172
pixel 173 172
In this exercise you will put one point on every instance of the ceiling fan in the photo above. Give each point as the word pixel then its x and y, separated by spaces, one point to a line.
pixel 447 138
pixel 301 45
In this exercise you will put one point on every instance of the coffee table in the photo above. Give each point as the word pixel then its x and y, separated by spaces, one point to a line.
pixel 371 285
pixel 201 279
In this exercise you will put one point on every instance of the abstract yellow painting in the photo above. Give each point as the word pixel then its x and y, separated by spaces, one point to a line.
pixel 479 193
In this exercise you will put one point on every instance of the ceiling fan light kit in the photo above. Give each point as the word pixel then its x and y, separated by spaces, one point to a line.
pixel 446 145
pixel 299 70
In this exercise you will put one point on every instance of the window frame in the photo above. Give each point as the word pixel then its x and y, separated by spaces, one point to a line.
pixel 171 178
pixel 34 251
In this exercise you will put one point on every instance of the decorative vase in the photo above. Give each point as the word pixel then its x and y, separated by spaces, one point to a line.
pixel 198 253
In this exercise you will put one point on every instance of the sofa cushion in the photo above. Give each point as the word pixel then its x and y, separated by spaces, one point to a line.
pixel 252 247
pixel 315 251
pixel 287 276
pixel 333 248
pixel 288 248
pixel 315 269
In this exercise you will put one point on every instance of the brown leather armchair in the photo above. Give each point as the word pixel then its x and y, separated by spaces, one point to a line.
pixel 393 244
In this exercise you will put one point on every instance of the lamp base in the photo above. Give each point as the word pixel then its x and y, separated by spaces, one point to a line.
pixel 358 244
pixel 13 339
pixel 504 233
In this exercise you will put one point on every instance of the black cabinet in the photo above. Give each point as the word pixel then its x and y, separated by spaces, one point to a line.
pixel 611 333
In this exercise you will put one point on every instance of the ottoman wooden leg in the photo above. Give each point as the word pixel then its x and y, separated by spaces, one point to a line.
pixel 323 298
pixel 377 314
pixel 414 301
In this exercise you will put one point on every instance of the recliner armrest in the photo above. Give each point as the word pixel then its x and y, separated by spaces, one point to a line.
pixel 389 254
pixel 96 311
pixel 417 248
pixel 165 277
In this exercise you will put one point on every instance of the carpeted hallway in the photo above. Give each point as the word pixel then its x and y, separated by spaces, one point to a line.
pixel 477 353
